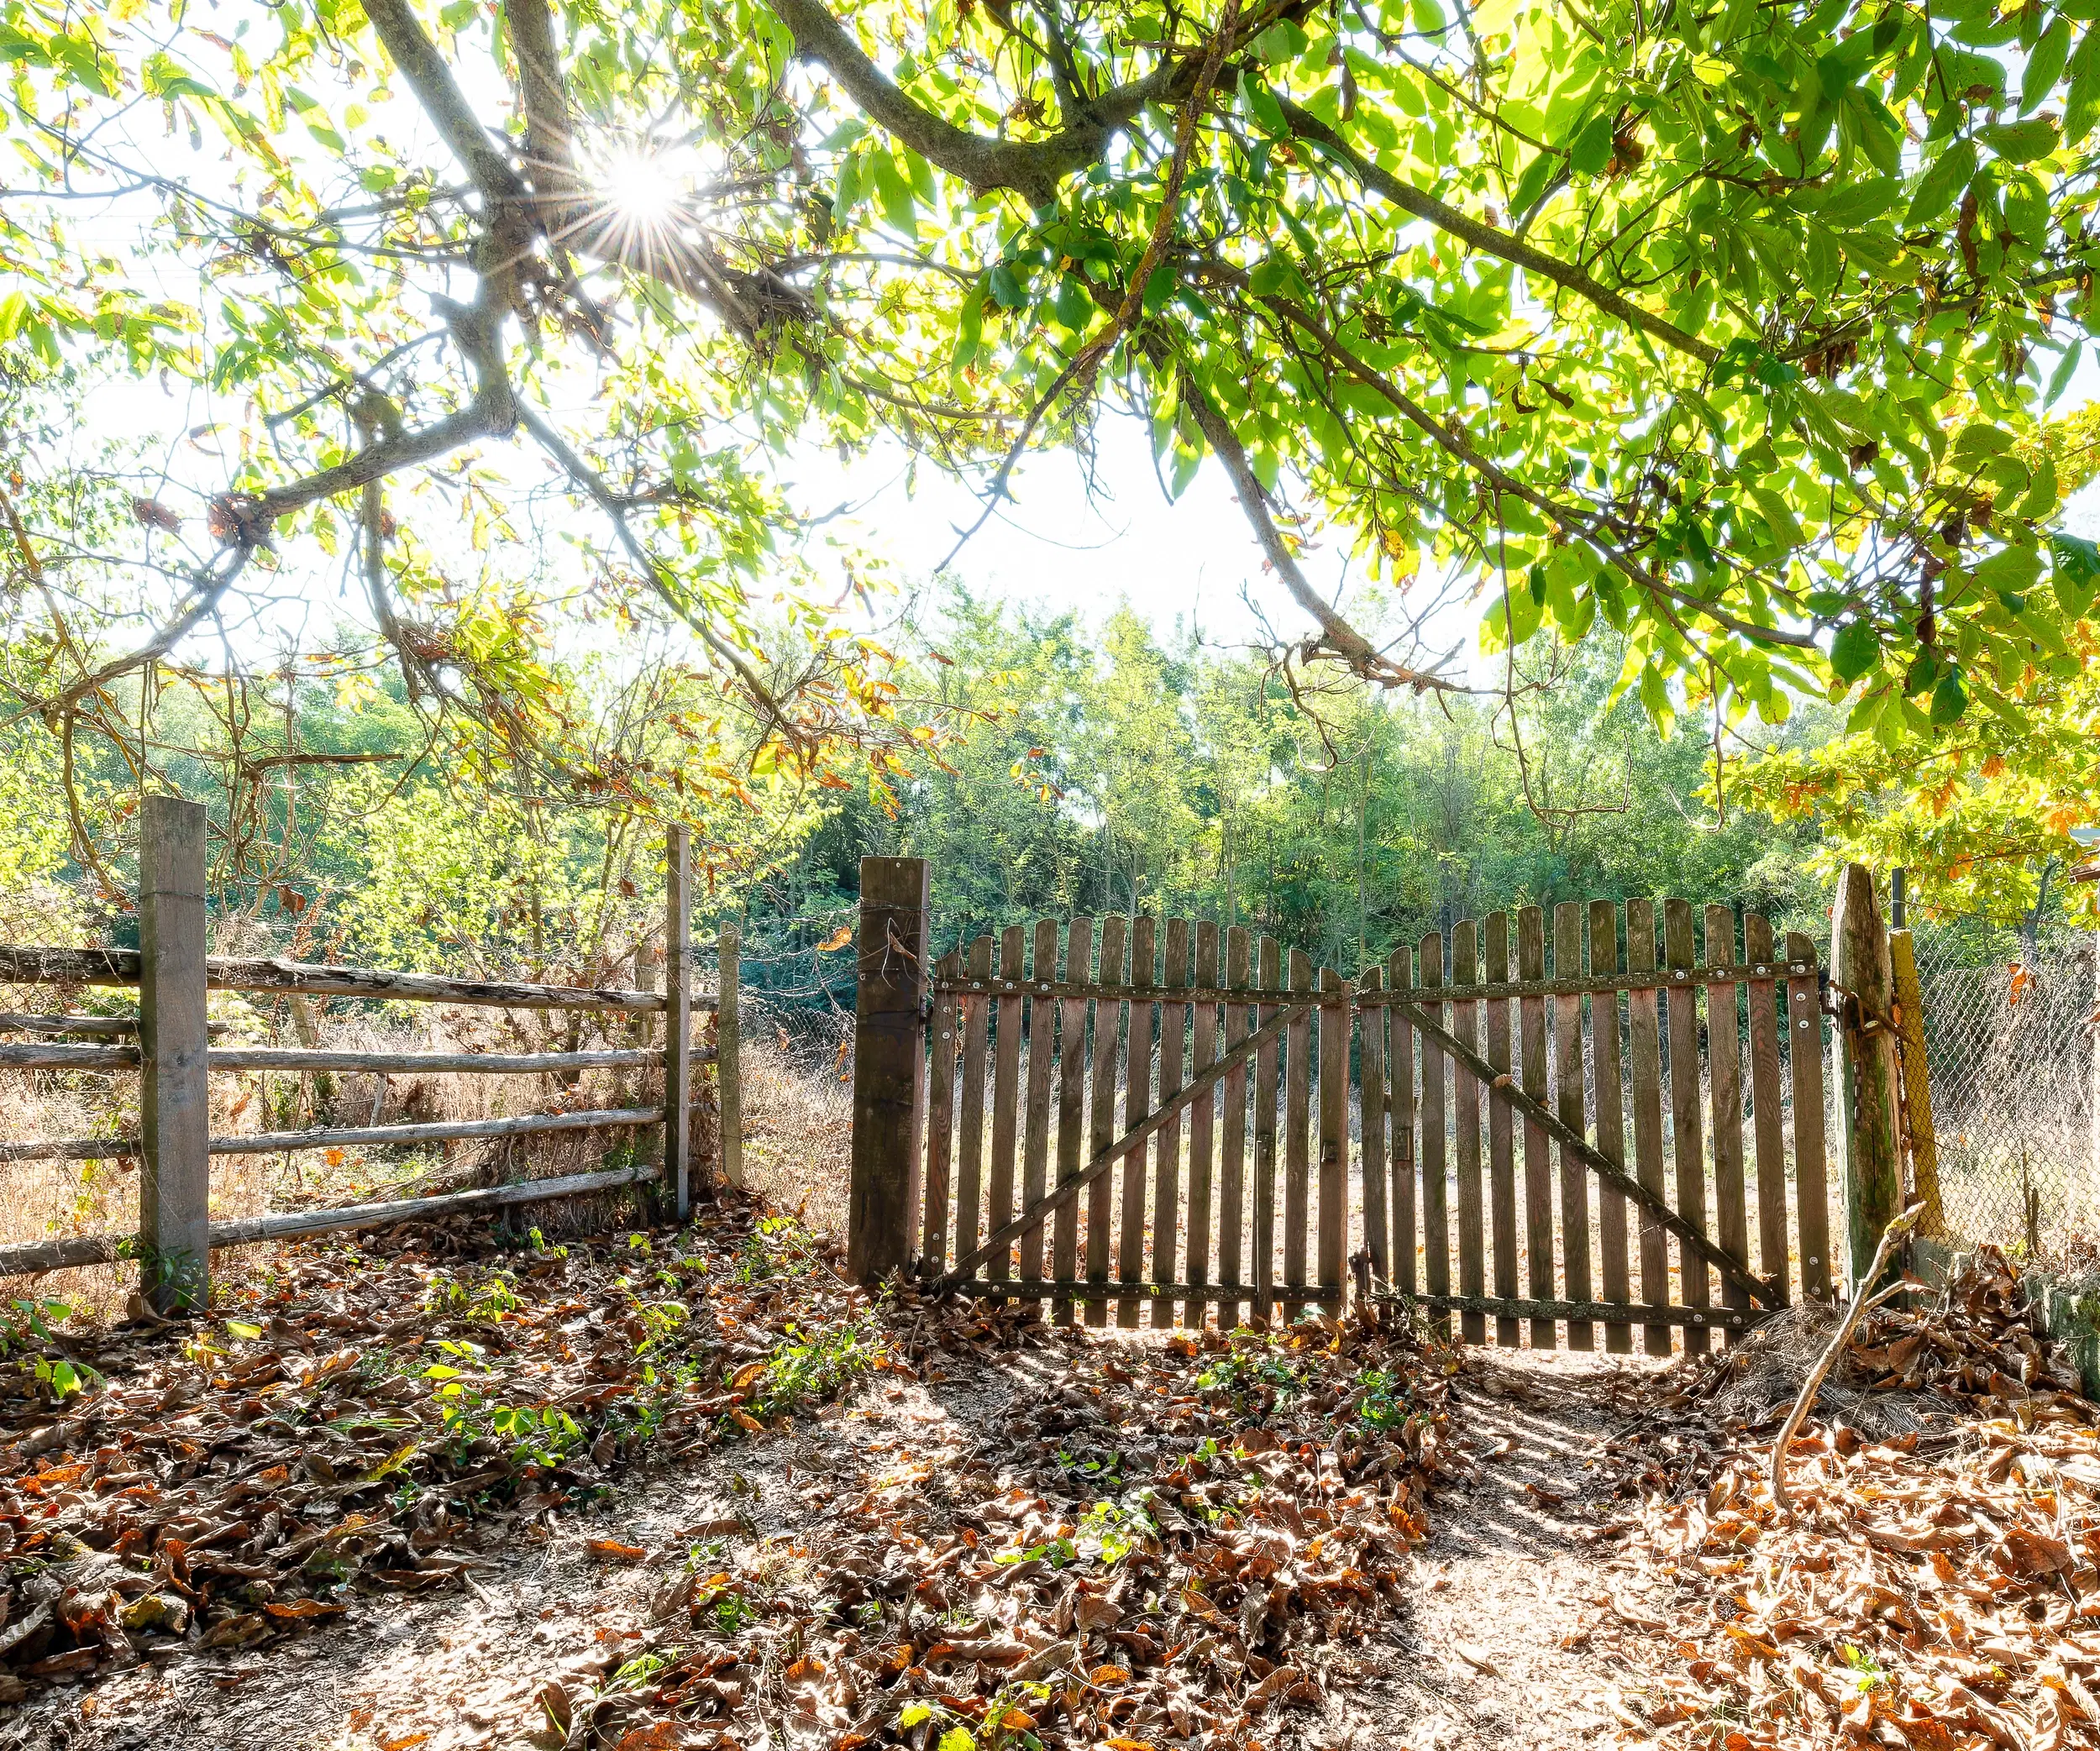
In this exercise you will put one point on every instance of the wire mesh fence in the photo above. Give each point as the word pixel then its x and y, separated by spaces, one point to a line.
pixel 2009 1049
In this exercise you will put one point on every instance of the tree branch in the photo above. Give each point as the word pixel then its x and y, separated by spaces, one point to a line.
pixel 1490 241
pixel 442 100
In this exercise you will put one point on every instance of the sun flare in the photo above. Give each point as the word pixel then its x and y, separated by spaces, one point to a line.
pixel 643 184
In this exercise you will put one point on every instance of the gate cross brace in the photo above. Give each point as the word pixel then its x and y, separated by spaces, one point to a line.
pixel 1500 1087
pixel 1131 1141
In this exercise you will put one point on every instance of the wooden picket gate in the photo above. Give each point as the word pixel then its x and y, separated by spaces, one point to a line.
pixel 1280 1126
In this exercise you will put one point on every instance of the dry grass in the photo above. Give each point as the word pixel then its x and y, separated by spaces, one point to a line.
pixel 798 1112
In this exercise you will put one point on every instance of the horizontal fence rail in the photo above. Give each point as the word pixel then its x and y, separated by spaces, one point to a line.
pixel 167 1045
pixel 1528 1127
pixel 124 966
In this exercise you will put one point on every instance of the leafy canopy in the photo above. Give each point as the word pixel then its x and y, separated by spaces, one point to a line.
pixel 1730 325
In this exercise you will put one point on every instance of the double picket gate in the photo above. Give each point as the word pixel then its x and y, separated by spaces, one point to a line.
pixel 1532 1126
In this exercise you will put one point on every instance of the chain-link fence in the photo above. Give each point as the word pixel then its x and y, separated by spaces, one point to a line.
pixel 2009 1045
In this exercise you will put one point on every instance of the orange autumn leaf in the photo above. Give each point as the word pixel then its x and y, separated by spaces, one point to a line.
pixel 838 939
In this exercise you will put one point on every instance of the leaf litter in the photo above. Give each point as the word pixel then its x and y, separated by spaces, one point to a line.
pixel 1934 1587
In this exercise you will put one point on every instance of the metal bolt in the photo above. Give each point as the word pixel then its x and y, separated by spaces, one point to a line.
pixel 1802 1023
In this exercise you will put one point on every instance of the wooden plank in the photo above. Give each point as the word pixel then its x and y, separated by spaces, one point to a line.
pixel 1567 1102
pixel 65 1056
pixel 1870 1085
pixel 1538 1165
pixel 1399 1077
pixel 729 1053
pixel 1919 1131
pixel 1072 1063
pixel 889 1067
pixel 1223 1294
pixel 1005 1095
pixel 1233 1129
pixel 940 1127
pixel 1811 1183
pixel 1269 968
pixel 1378 1225
pixel 228 972
pixel 1149 992
pixel 1297 1043
pixel 1724 1086
pixel 1695 1286
pixel 421 1063
pixel 1174 1031
pixel 678 1021
pixel 1336 1018
pixel 969 1149
pixel 1137 1083
pixel 1645 1039
pixel 1734 1325
pixel 175 1103
pixel 1435 1167
pixel 96 1027
pixel 1202 1121
pixel 270 1143
pixel 1472 1241
pixel 1502 1173
pixel 1767 1122
pixel 1108 1030
pixel 1035 1137
pixel 1611 1118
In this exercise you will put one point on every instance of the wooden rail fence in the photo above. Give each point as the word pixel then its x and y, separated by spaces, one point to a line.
pixel 170 1046
pixel 1539 1126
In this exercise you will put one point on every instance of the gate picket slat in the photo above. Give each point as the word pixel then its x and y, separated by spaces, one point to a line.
pixel 1232 1131
pixel 1611 1121
pixel 1174 1029
pixel 1695 1282
pixel 1336 1022
pixel 1568 1095
pixel 1202 1121
pixel 1137 1082
pixel 1078 962
pixel 1034 1152
pixel 1435 1214
pixel 1724 1080
pixel 1767 1124
pixel 1005 1099
pixel 940 1116
pixel 969 1162
pixel 1399 1075
pixel 1805 1053
pixel 1297 1139
pixel 1270 979
pixel 1538 1165
pixel 1465 970
pixel 1377 1231
pixel 1646 1034
pixel 1501 1135
pixel 1108 1029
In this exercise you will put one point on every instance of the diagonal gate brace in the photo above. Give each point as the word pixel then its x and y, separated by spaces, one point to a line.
pixel 1500 1087
pixel 1128 1143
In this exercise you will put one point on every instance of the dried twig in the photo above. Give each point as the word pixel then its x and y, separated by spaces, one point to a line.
pixel 1861 1296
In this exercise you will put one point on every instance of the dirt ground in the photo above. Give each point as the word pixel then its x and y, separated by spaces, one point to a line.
pixel 1488 1650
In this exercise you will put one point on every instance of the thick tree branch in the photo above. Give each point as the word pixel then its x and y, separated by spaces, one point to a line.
pixel 1491 241
pixel 442 100
pixel 1336 632
pixel 1032 169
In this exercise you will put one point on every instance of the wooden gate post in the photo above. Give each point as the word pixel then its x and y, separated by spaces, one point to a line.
pixel 175 1194
pixel 1918 1125
pixel 678 1018
pixel 729 1054
pixel 1869 1081
pixel 889 1066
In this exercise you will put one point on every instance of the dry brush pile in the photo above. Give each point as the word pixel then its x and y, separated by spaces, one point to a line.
pixel 1936 1583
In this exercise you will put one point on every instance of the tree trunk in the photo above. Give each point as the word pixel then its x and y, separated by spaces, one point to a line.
pixel 1869 1077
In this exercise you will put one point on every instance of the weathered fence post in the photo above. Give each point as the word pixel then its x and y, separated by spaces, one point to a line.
pixel 728 1056
pixel 175 1190
pixel 1924 1139
pixel 1869 1087
pixel 678 1018
pixel 889 1066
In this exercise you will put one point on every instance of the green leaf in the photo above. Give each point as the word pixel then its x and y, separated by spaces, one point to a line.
pixel 1950 699
pixel 2022 142
pixel 1006 287
pixel 2076 574
pixel 1591 149
pixel 2011 570
pixel 2045 64
pixel 1856 648
pixel 2081 105
pixel 1946 176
